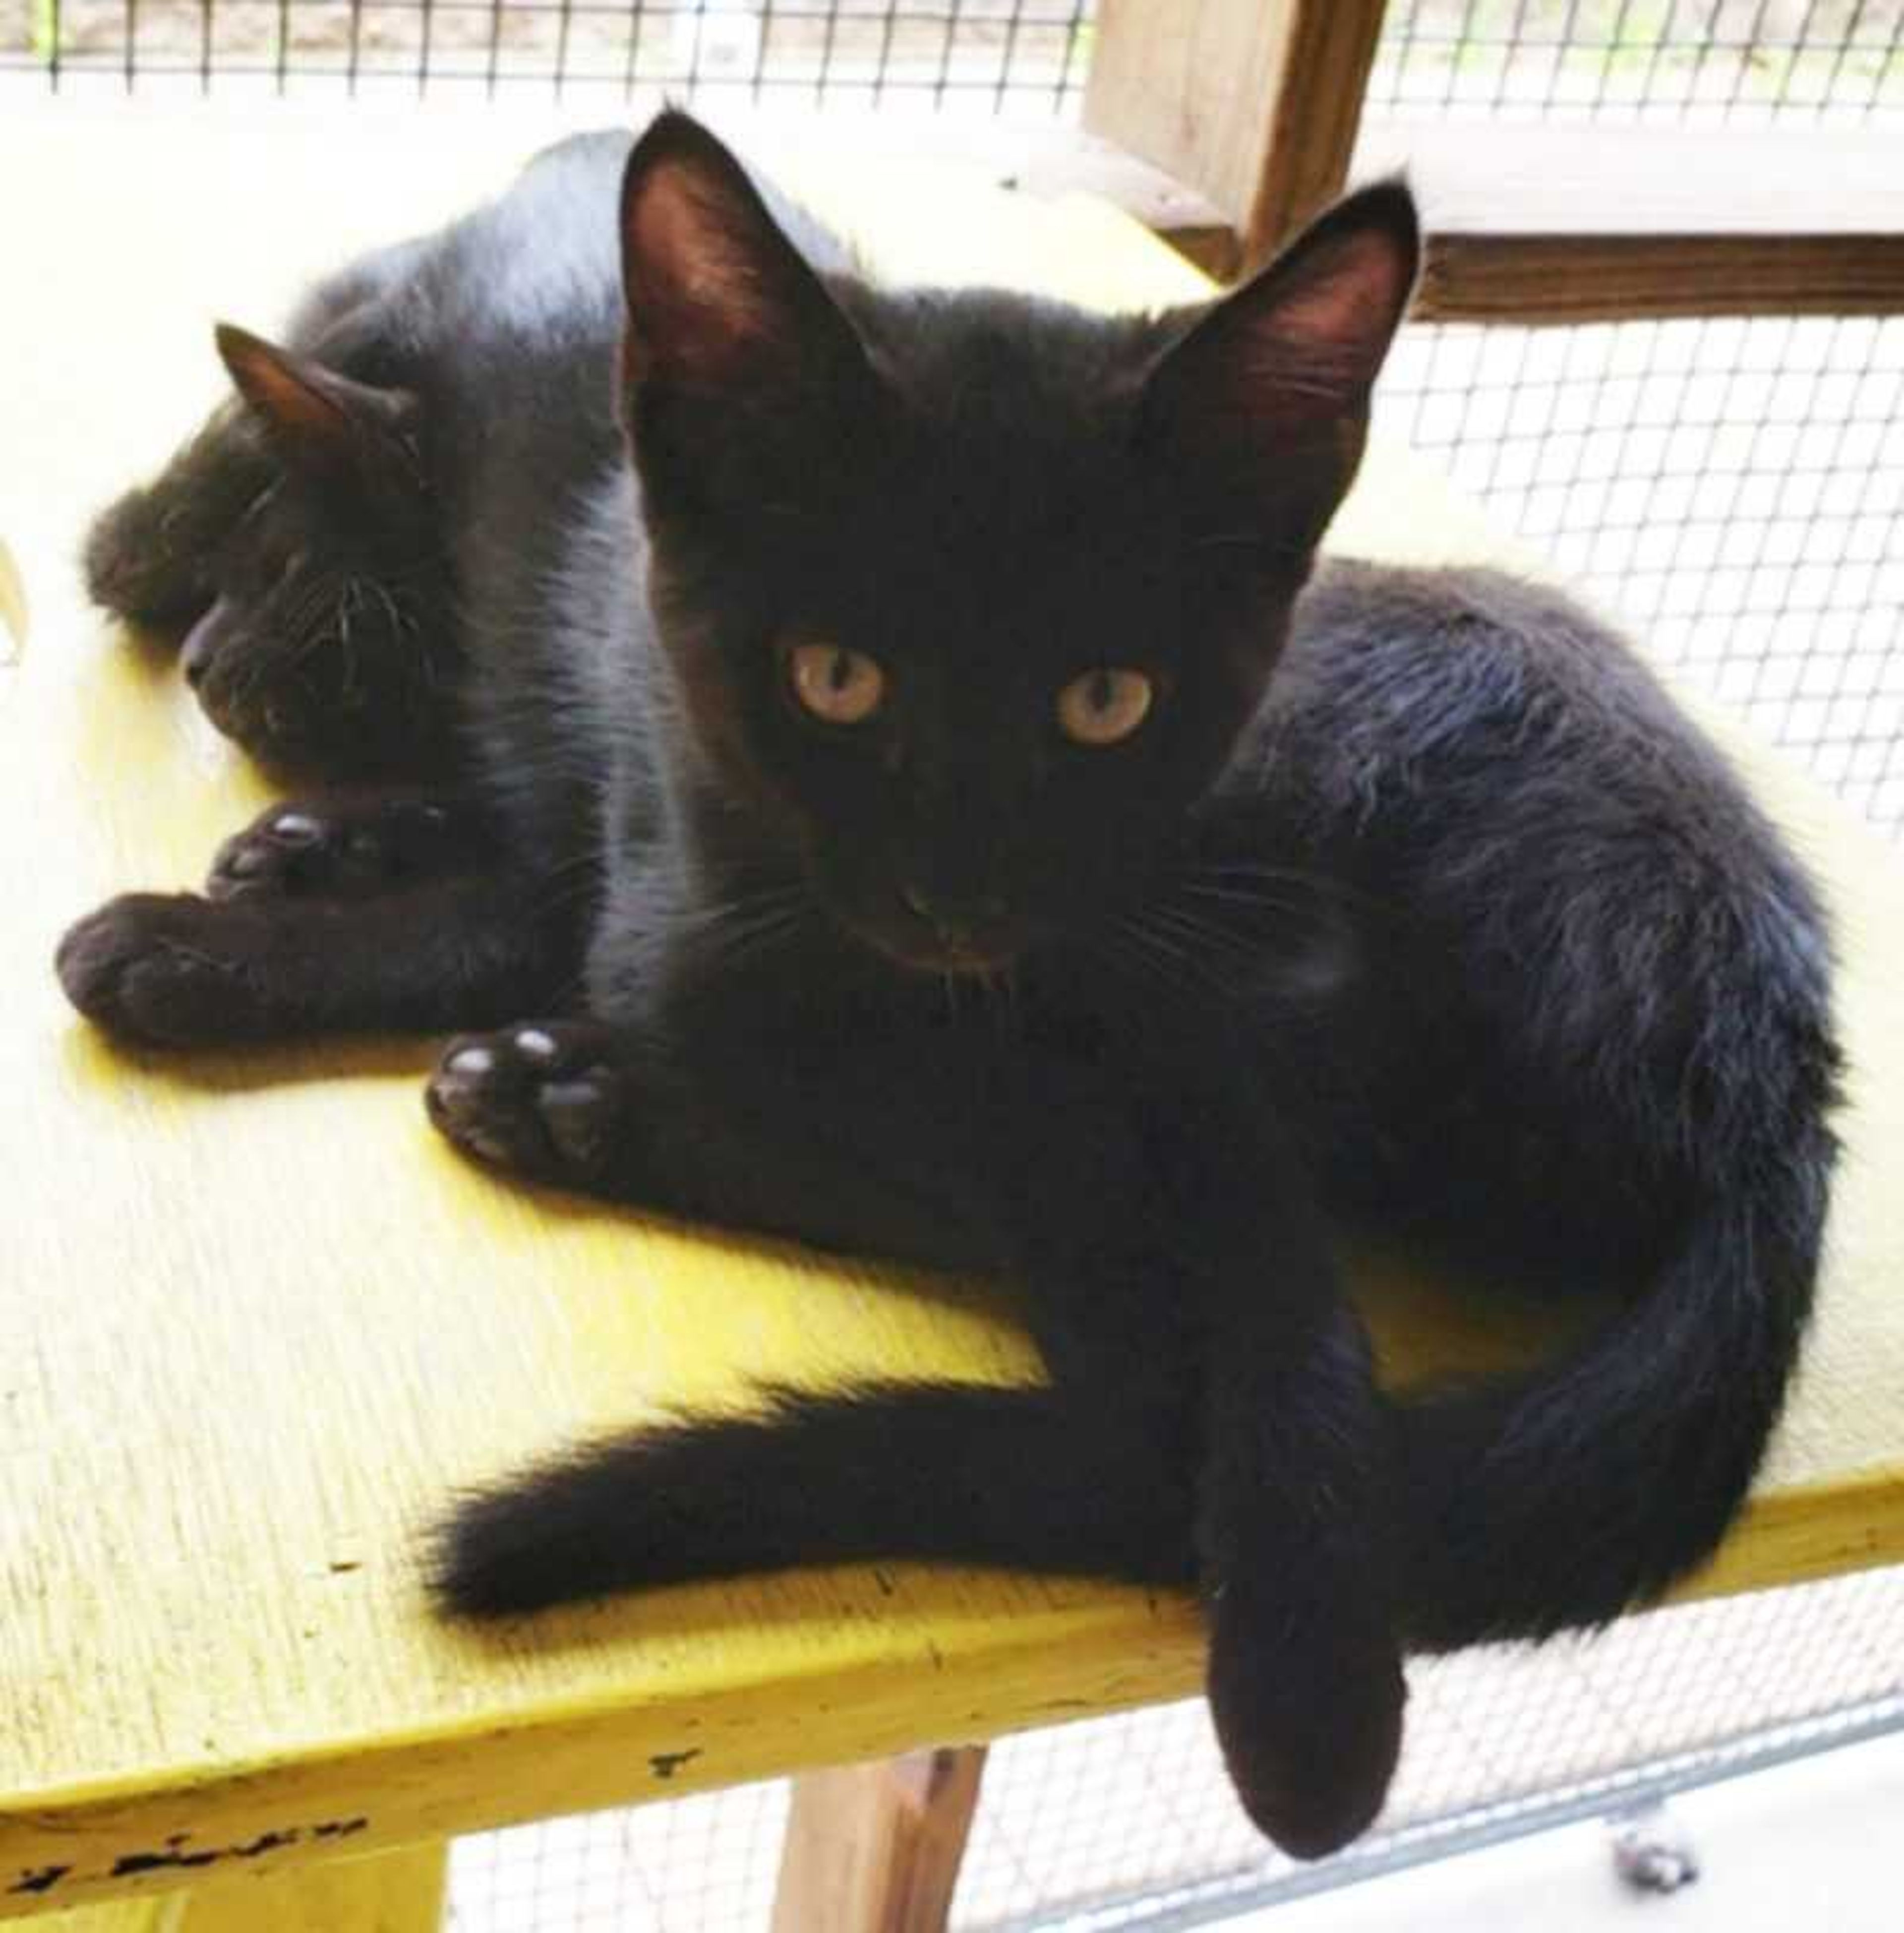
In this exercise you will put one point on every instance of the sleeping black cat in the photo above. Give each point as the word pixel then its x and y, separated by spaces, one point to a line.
pixel 929 803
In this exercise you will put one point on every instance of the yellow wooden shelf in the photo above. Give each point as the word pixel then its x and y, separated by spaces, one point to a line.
pixel 256 1320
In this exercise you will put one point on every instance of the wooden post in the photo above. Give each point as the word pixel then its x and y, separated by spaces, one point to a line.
pixel 876 1848
pixel 1252 103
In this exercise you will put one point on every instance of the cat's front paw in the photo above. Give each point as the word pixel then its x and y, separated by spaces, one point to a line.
pixel 1308 1704
pixel 339 849
pixel 150 967
pixel 544 1098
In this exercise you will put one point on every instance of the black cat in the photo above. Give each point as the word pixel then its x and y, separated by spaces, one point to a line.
pixel 976 845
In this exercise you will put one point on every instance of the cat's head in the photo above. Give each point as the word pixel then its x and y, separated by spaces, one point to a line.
pixel 969 595
pixel 311 645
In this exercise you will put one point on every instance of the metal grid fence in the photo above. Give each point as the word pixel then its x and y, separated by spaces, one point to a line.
pixel 1128 1822
pixel 1732 490
pixel 1697 61
pixel 987 58
pixel 1651 59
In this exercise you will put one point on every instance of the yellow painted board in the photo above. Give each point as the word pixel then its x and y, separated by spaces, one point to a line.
pixel 256 1320
pixel 403 1891
pixel 158 1914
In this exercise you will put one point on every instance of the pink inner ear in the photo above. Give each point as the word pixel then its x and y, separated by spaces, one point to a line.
pixel 1314 343
pixel 695 295
pixel 1348 299
pixel 280 395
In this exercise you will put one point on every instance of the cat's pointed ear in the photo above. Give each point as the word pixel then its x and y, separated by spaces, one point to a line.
pixel 320 423
pixel 719 300
pixel 1287 362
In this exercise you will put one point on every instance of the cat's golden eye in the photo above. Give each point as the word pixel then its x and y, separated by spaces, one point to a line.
pixel 842 687
pixel 1104 706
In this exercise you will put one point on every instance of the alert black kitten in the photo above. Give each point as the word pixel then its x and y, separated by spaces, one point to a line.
pixel 984 836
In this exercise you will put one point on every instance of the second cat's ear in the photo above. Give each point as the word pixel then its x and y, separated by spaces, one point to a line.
pixel 322 424
pixel 1291 357
pixel 718 300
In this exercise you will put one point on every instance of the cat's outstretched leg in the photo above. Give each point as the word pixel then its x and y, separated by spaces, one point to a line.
pixel 1294 1531
pixel 578 1105
pixel 914 1470
pixel 1244 1447
pixel 379 914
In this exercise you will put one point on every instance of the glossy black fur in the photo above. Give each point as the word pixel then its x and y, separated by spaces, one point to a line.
pixel 1416 907
pixel 317 575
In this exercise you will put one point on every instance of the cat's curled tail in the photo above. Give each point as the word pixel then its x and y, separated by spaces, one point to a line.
pixel 1664 1058
pixel 1562 1500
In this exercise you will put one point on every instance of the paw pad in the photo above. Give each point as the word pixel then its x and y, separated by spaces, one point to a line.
pixel 347 849
pixel 545 1099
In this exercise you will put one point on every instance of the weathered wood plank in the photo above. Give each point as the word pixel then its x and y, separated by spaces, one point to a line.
pixel 1253 104
pixel 876 1848
pixel 1561 224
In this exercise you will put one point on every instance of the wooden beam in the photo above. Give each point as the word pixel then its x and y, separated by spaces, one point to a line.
pixel 1568 224
pixel 1253 104
pixel 1560 277
pixel 876 1848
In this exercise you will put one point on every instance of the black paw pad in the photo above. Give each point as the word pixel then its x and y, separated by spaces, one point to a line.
pixel 544 1098
pixel 299 848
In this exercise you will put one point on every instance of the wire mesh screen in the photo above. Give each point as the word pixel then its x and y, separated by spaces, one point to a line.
pixel 1128 1821
pixel 694 1866
pixel 988 57
pixel 1654 60
pixel 1733 490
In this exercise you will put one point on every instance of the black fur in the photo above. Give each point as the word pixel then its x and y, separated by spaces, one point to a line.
pixel 1412 904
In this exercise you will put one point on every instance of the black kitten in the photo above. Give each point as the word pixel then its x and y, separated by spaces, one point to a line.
pixel 979 847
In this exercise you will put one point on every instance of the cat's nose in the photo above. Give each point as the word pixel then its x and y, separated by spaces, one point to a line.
pixel 953 915
pixel 195 653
